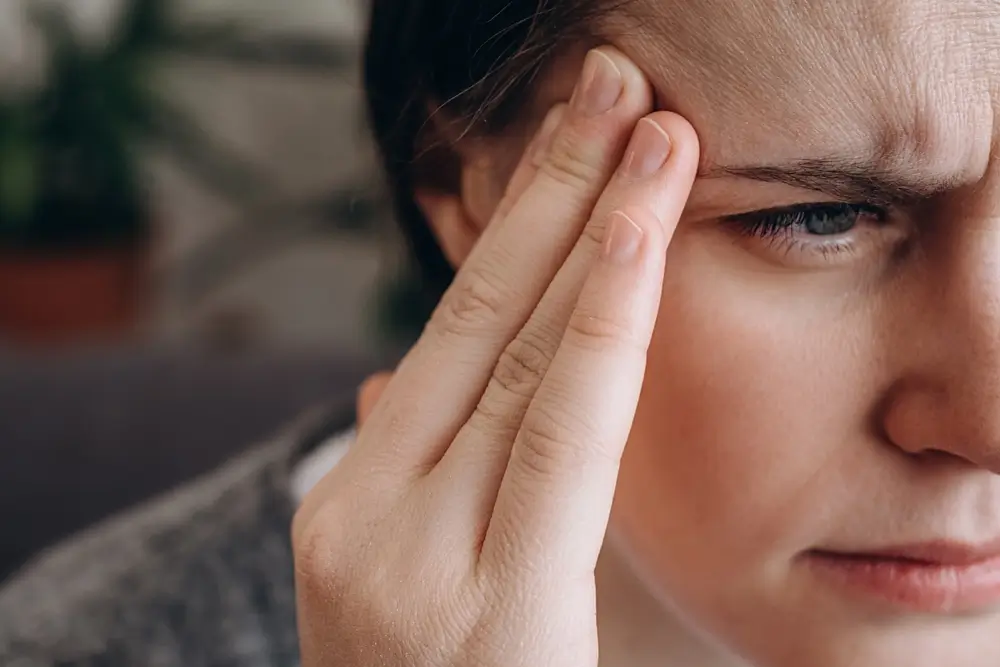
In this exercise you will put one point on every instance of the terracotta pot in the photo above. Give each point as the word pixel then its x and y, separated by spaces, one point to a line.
pixel 59 298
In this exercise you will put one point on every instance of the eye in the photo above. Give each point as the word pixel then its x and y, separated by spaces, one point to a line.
pixel 820 220
pixel 815 234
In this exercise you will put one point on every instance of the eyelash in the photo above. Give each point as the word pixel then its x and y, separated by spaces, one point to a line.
pixel 784 227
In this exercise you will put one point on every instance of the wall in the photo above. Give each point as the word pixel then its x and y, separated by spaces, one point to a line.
pixel 304 131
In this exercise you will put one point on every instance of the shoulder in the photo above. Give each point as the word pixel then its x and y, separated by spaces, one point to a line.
pixel 201 577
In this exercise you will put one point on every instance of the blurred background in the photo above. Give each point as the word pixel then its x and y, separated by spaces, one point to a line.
pixel 194 244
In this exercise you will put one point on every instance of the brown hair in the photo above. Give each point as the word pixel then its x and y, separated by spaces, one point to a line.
pixel 474 61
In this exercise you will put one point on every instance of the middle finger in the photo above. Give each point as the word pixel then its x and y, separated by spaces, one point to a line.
pixel 485 443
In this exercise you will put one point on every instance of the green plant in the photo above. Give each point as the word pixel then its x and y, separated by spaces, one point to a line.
pixel 71 169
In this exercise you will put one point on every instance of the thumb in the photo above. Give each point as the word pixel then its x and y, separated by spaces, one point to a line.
pixel 369 394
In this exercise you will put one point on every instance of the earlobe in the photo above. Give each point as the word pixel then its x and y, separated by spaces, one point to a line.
pixel 480 193
pixel 458 220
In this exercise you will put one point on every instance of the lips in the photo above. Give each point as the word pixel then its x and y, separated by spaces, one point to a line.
pixel 938 577
pixel 940 553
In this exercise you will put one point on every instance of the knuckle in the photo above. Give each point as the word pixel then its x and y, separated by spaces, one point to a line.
pixel 315 554
pixel 324 549
pixel 574 160
pixel 521 367
pixel 594 331
pixel 557 442
pixel 546 445
pixel 492 414
pixel 475 302
pixel 595 232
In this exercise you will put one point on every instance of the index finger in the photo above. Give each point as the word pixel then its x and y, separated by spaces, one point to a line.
pixel 557 491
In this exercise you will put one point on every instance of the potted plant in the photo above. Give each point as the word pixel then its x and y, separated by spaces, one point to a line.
pixel 75 220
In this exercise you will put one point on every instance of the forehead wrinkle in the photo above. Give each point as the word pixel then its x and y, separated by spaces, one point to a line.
pixel 767 63
pixel 758 45
pixel 941 114
pixel 889 80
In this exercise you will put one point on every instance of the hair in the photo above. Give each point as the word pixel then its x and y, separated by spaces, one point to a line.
pixel 472 63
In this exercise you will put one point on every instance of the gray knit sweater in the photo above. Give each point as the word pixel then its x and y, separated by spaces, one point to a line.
pixel 201 578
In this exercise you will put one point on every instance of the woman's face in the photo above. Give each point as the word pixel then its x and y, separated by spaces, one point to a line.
pixel 825 375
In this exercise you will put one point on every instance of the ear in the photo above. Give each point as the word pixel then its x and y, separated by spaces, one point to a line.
pixel 458 219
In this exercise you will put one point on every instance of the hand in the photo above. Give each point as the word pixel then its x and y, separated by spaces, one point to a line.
pixel 464 526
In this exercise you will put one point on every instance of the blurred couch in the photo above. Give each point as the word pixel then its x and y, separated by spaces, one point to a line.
pixel 84 435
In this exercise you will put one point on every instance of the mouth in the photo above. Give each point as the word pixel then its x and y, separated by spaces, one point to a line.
pixel 932 578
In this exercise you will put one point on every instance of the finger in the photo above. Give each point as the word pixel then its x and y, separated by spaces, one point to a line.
pixel 558 487
pixel 369 394
pixel 652 175
pixel 375 387
pixel 439 383
pixel 527 167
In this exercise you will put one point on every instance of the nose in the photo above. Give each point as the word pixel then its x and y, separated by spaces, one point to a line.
pixel 948 401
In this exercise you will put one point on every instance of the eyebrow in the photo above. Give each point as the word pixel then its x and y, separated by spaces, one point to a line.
pixel 843 179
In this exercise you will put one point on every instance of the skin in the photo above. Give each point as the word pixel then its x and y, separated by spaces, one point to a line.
pixel 795 402
pixel 465 524
pixel 795 398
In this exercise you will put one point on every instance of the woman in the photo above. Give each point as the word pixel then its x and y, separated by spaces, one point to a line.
pixel 812 431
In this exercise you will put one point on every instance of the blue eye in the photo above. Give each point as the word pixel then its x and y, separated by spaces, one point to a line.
pixel 820 220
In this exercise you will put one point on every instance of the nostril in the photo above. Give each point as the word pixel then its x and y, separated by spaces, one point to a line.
pixel 939 458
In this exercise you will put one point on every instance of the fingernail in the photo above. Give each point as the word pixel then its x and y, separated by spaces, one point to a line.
pixel 600 85
pixel 647 151
pixel 623 238
pixel 543 138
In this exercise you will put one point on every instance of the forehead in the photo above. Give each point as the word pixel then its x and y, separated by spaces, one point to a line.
pixel 896 80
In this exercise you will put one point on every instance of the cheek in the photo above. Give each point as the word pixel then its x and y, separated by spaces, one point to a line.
pixel 752 417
